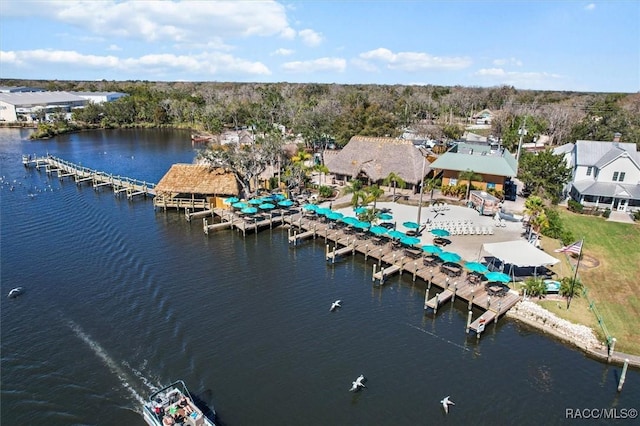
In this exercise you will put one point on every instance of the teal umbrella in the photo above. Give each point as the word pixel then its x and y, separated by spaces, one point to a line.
pixel 397 234
pixel 497 276
pixel 334 216
pixel 239 205
pixel 231 200
pixel 385 216
pixel 249 210
pixel 350 220
pixel 255 201
pixel 409 241
pixel 285 203
pixel 432 249
pixel 476 267
pixel 310 207
pixel 448 256
pixel 440 232
pixel 279 197
pixel 411 225
pixel 360 210
pixel 362 225
pixel 378 230
pixel 323 211
pixel 267 206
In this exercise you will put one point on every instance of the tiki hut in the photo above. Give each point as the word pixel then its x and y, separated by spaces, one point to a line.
pixel 197 182
pixel 374 158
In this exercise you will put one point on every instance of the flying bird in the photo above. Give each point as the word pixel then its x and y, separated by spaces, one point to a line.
pixel 355 386
pixel 15 292
pixel 335 305
pixel 445 404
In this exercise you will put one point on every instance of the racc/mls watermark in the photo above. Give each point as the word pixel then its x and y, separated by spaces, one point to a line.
pixel 601 413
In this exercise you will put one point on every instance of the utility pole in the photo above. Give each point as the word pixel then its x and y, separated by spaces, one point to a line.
pixel 424 164
pixel 522 131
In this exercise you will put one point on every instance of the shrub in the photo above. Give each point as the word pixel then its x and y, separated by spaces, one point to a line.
pixel 575 206
pixel 606 213
pixel 325 191
pixel 636 215
pixel 535 287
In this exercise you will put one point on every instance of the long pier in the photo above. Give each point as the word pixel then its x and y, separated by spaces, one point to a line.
pixel 389 260
pixel 80 174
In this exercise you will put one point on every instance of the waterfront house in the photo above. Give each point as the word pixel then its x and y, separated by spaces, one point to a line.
pixel 496 166
pixel 605 173
pixel 372 159
pixel 196 184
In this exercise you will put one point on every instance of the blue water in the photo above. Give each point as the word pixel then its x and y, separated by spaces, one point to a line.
pixel 120 299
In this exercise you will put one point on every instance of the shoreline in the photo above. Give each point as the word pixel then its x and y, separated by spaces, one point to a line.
pixel 580 336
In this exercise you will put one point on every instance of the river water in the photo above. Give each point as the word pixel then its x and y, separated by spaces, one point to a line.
pixel 120 299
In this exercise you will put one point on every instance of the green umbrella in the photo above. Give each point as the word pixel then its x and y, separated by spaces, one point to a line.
pixel 411 225
pixel 350 220
pixel 378 230
pixel 440 232
pixel 497 276
pixel 431 249
pixel 397 234
pixel 409 241
pixel 448 256
pixel 231 200
pixel 476 267
pixel 310 207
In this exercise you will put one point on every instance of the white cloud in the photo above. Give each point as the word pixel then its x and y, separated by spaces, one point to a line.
pixel 315 65
pixel 507 61
pixel 282 52
pixel 523 80
pixel 205 64
pixel 590 7
pixel 415 61
pixel 363 65
pixel 153 20
pixel 310 37
pixel 114 48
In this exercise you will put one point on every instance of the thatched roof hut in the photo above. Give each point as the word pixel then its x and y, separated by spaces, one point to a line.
pixel 197 180
pixel 375 158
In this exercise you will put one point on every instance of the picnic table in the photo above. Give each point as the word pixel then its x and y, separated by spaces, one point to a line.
pixel 451 270
pixel 413 253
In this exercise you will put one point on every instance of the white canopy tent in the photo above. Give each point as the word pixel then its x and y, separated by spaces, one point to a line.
pixel 519 253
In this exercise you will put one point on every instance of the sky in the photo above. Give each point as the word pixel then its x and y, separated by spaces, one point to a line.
pixel 584 46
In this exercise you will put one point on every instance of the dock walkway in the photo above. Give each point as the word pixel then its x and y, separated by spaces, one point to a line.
pixel 98 179
pixel 389 260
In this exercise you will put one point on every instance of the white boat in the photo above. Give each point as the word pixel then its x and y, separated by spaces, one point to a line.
pixel 173 405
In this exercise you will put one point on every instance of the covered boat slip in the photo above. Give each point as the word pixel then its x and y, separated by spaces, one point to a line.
pixel 521 256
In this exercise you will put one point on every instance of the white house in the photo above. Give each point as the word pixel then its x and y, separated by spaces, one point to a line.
pixel 605 174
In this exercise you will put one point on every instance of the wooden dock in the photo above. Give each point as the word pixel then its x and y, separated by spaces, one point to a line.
pixel 98 179
pixel 389 260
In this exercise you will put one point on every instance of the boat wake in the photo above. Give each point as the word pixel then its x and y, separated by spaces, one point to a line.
pixel 116 369
pixel 438 337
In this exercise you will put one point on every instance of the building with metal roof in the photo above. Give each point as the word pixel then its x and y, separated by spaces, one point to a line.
pixel 496 166
pixel 606 174
pixel 29 106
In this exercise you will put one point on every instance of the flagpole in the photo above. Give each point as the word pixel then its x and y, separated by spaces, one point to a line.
pixel 575 275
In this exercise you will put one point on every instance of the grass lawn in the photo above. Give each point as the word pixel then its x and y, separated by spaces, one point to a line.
pixel 610 270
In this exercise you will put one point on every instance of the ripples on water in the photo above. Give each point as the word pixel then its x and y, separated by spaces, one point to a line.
pixel 121 300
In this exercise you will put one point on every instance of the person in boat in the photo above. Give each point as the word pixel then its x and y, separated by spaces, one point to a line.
pixel 168 421
pixel 159 410
pixel 184 403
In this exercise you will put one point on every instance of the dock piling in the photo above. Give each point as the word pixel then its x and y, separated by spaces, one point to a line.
pixel 373 277
pixel 623 376
pixel 469 316
pixel 435 307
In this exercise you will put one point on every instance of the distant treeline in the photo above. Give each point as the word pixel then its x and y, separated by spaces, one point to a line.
pixel 321 112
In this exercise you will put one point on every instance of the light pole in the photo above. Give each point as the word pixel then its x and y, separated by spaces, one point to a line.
pixel 424 165
pixel 522 131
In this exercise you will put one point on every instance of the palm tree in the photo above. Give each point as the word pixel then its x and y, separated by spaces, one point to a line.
pixel 570 287
pixel 373 194
pixel 323 170
pixel 396 180
pixel 469 176
pixel 431 185
pixel 355 188
pixel 534 208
